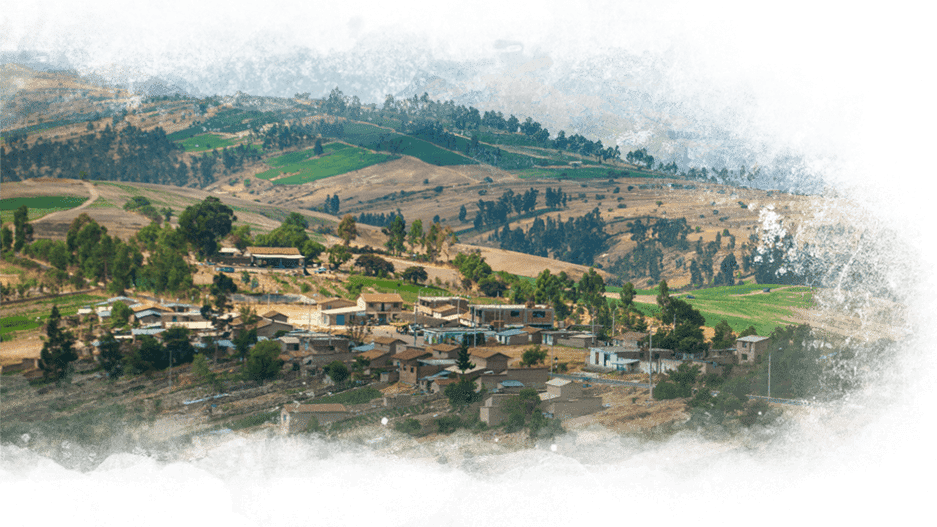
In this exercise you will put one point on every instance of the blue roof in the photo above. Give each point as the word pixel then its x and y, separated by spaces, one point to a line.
pixel 225 343
pixel 365 347
pixel 104 313
pixel 512 332
pixel 149 312
pixel 512 384
pixel 147 331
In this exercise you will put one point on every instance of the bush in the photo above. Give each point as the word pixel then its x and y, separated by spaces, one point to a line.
pixel 668 390
pixel 409 426
pixel 448 424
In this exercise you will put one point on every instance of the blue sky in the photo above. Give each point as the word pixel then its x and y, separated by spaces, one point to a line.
pixel 614 74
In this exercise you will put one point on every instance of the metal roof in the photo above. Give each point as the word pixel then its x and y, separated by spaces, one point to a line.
pixel 147 331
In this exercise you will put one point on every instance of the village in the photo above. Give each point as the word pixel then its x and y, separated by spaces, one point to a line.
pixel 410 354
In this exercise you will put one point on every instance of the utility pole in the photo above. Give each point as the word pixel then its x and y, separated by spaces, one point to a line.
pixel 650 367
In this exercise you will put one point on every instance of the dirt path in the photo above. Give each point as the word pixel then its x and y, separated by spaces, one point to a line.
pixel 93 196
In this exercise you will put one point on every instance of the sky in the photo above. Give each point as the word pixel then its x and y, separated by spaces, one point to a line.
pixel 616 74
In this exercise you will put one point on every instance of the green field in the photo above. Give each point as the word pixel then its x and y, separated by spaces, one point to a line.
pixel 205 142
pixel 337 159
pixel 34 315
pixel 229 120
pixel 38 206
pixel 380 139
pixel 406 290
pixel 738 307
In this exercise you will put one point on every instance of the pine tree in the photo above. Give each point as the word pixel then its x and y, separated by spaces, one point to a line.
pixel 462 361
pixel 57 353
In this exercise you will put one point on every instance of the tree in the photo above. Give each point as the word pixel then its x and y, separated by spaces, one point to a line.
pixel 462 393
pixel 415 237
pixel 533 355
pixel 338 255
pixel 414 274
pixel 317 150
pixel 520 408
pixel 6 238
pixel 462 213
pixel 591 289
pixel 627 294
pixel 727 269
pixel 57 353
pixel 120 314
pixel 222 286
pixel 396 233
pixel 462 361
pixel 723 337
pixel 110 357
pixel 750 330
pixel 263 361
pixel 178 347
pixel 663 295
pixel 22 229
pixel 206 222
pixel 311 251
pixel 347 229
pixel 337 371
pixel 374 265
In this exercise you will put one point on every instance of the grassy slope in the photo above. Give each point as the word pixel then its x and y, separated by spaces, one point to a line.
pixel 38 206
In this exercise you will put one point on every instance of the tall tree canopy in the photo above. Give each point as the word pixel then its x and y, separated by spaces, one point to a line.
pixel 205 223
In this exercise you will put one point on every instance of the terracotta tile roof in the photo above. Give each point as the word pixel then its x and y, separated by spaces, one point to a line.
pixel 284 251
pixel 374 354
pixel 387 340
pixel 632 335
pixel 382 297
pixel 271 314
pixel 410 354
pixel 486 354
pixel 315 408
pixel 444 348
pixel 532 330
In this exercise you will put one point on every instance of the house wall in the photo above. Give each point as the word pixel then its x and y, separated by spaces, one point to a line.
pixel 491 415
pixel 496 363
pixel 531 377
pixel 567 409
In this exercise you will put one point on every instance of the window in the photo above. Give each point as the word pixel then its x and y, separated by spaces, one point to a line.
pixel 540 314
pixel 744 356
pixel 515 314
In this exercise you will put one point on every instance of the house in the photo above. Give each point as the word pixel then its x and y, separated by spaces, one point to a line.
pixel 381 307
pixel 562 388
pixel 296 417
pixel 550 338
pixel 269 328
pixel 149 316
pixel 531 377
pixel 334 303
pixel 618 358
pixel 488 359
pixel 513 337
pixel 576 340
pixel 435 304
pixel 275 316
pixel 391 345
pixel 439 385
pixel 378 358
pixel 747 349
pixel 280 257
pixel 444 351
pixel 491 412
pixel 510 386
pixel 407 364
pixel 631 339
pixel 534 335
pixel 510 315
pixel 440 335
pixel 341 316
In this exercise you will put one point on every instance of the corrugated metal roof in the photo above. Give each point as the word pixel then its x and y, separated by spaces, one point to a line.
pixel 512 384
pixel 147 331
pixel 753 338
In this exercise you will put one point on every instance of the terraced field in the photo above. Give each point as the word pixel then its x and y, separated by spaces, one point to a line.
pixel 303 167
pixel 206 142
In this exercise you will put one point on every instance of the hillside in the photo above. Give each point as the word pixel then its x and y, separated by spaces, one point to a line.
pixel 421 158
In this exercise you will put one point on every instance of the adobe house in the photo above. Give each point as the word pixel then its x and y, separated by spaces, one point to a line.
pixel 378 358
pixel 296 417
pixel 534 335
pixel 441 306
pixel 513 337
pixel 334 303
pixel 444 351
pixel 280 257
pixel 381 307
pixel 275 316
pixel 631 339
pixel 408 365
pixel 563 399
pixel 490 412
pixel 391 345
pixel 487 359
pixel 749 348
pixel 531 377
pixel 269 328
pixel 619 358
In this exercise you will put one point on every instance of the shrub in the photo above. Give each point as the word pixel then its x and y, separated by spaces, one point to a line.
pixel 409 426
pixel 448 424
